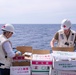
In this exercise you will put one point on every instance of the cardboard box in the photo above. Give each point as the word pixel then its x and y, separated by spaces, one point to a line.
pixel 38 51
pixel 41 62
pixel 21 58
pixel 71 49
pixel 20 65
pixel 41 65
pixel 65 65
pixel 20 70
pixel 63 55
pixel 62 72
pixel 25 50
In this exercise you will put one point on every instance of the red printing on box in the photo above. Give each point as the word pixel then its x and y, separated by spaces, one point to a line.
pixel 18 58
pixel 41 62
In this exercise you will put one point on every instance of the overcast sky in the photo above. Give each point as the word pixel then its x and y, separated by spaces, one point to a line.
pixel 37 11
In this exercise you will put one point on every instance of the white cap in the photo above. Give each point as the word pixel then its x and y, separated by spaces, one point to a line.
pixel 8 27
pixel 65 24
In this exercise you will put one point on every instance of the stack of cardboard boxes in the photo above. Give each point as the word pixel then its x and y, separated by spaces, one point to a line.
pixel 41 62
pixel 64 62
pixel 21 64
pixel 31 62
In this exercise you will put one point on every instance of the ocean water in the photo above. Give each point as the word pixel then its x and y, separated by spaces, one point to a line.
pixel 36 35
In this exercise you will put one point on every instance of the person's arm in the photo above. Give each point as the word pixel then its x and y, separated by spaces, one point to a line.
pixel 75 43
pixel 52 42
pixel 55 38
pixel 8 49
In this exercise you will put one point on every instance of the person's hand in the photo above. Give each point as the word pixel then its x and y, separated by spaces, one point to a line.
pixel 18 53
